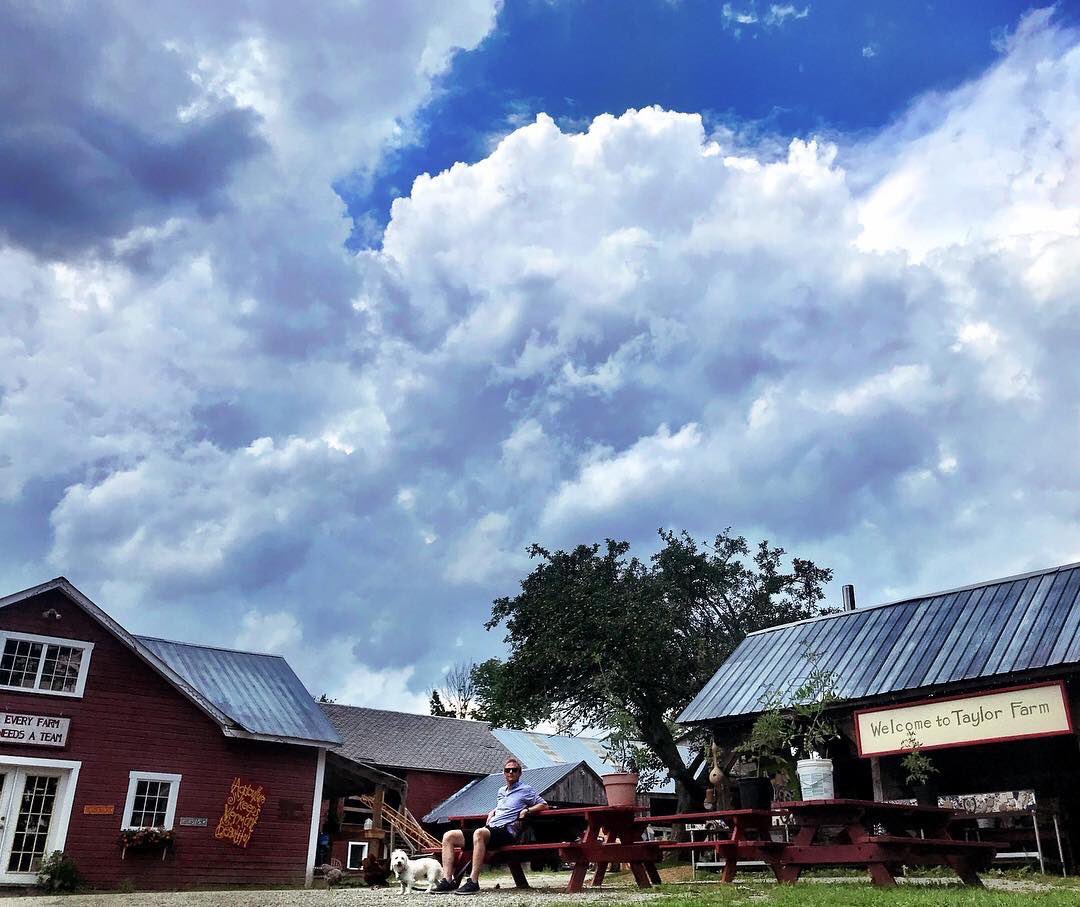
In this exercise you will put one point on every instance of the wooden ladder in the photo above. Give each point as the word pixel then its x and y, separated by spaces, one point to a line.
pixel 402 823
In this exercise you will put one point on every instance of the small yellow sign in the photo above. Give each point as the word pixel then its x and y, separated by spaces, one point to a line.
pixel 1032 711
pixel 101 809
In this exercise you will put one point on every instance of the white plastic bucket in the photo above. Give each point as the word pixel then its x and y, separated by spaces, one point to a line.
pixel 816 778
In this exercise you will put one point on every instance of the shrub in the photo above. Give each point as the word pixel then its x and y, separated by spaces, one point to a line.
pixel 58 874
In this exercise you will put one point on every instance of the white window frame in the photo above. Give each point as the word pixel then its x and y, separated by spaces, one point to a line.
pixel 349 851
pixel 134 777
pixel 84 663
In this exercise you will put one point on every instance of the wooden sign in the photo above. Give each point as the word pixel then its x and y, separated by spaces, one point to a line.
pixel 1038 710
pixel 241 813
pixel 103 809
pixel 34 730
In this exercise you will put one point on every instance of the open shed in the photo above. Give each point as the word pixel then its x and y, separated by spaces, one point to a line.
pixel 986 676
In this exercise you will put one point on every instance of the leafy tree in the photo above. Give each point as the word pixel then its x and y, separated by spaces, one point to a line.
pixel 597 636
pixel 325 697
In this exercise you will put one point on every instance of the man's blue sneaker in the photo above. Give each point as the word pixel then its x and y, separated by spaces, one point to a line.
pixel 468 887
pixel 443 886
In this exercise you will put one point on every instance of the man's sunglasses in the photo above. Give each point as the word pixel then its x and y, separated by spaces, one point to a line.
pixel 511 771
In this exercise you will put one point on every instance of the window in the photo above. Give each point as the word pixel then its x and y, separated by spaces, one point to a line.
pixel 357 852
pixel 151 800
pixel 44 664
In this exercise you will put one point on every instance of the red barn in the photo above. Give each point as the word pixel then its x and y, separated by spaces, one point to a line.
pixel 211 759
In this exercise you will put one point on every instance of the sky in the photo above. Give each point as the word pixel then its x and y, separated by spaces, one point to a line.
pixel 309 325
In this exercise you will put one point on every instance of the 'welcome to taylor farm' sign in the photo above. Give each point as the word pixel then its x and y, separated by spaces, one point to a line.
pixel 1033 711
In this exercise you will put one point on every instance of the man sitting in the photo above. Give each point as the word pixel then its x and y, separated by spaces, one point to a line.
pixel 514 802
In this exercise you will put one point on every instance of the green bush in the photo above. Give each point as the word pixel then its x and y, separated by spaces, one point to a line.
pixel 59 874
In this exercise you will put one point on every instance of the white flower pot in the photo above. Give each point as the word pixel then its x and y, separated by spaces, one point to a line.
pixel 816 778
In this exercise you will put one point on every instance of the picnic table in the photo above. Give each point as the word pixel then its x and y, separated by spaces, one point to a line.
pixel 610 835
pixel 883 837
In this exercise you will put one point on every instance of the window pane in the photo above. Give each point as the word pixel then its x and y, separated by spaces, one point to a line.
pixel 61 669
pixel 151 803
pixel 19 665
pixel 32 827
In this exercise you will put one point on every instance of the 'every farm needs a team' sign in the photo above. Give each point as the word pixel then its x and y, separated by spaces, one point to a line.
pixel 33 730
pixel 1032 711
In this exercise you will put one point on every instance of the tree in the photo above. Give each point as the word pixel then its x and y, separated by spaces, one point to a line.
pixel 436 706
pixel 456 697
pixel 597 637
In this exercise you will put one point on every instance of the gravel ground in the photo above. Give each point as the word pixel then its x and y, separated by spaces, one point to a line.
pixel 548 888
pixel 496 891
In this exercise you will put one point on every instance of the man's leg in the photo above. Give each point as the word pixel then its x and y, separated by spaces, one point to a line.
pixel 453 839
pixel 480 840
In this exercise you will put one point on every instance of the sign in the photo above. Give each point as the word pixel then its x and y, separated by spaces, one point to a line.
pixel 241 813
pixel 1039 710
pixel 34 730
pixel 194 821
pixel 104 809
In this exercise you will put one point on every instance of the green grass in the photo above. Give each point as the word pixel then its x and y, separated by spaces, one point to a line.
pixel 811 894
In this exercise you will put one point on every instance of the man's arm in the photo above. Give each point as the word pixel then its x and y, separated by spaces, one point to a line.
pixel 538 805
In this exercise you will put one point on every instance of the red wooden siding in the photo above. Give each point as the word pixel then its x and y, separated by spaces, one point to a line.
pixel 130 718
pixel 429 789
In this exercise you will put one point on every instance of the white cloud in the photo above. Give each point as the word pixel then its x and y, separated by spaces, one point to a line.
pixel 218 418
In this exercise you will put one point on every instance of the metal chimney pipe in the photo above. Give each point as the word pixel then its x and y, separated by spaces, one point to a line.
pixel 849 598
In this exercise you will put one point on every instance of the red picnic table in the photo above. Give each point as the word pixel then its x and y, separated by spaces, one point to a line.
pixel 883 837
pixel 610 836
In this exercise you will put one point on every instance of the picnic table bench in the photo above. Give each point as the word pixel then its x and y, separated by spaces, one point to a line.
pixel 747 837
pixel 610 835
pixel 883 837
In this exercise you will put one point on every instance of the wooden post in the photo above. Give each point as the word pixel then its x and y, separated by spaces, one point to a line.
pixel 875 775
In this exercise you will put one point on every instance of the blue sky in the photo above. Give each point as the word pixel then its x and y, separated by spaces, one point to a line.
pixel 795 70
pixel 310 325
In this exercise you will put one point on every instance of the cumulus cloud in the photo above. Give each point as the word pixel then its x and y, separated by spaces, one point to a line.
pixel 862 350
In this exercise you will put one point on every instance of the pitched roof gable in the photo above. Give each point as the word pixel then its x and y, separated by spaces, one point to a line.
pixel 478 797
pixel 236 716
pixel 419 742
pixel 990 629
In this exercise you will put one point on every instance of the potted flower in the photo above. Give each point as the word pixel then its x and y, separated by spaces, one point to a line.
pixel 918 767
pixel 812 730
pixel 637 769
pixel 791 736
pixel 763 754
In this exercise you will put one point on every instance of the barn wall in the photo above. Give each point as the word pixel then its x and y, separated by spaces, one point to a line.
pixel 580 788
pixel 428 789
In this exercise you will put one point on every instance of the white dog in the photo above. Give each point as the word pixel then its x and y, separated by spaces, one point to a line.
pixel 409 872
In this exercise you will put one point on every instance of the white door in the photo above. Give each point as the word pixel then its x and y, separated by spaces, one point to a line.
pixel 32 804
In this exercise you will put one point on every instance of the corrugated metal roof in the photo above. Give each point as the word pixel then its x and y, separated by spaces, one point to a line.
pixel 989 629
pixel 535 749
pixel 260 692
pixel 403 740
pixel 478 797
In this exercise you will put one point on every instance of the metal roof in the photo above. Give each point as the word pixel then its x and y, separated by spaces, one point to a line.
pixel 403 740
pixel 478 797
pixel 535 749
pixel 989 629
pixel 260 692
